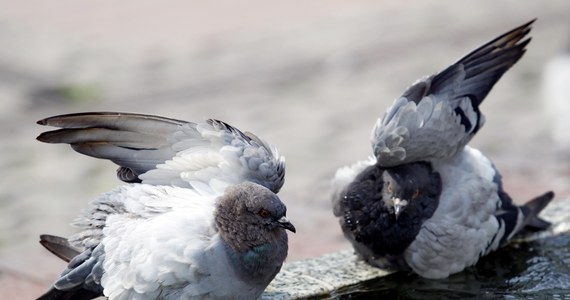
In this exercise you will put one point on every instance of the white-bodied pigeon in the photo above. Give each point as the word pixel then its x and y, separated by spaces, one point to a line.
pixel 199 219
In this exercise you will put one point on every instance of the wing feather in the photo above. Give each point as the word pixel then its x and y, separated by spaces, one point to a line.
pixel 163 151
pixel 438 115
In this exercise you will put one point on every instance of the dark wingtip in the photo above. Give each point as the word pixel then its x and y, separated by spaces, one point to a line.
pixel 525 25
pixel 485 65
pixel 53 136
pixel 45 136
pixel 524 29
pixel 42 137
pixel 529 22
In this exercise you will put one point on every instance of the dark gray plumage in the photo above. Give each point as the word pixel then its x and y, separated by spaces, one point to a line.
pixel 427 202
pixel 200 220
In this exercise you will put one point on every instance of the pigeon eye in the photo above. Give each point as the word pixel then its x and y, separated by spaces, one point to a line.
pixel 416 193
pixel 264 213
pixel 389 187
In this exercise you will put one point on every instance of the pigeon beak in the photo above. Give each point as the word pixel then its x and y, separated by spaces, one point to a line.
pixel 284 222
pixel 399 206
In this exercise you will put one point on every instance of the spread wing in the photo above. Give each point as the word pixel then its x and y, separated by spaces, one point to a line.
pixel 162 151
pixel 437 116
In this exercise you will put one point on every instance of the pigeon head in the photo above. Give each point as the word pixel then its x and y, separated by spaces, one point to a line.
pixel 249 215
pixel 262 209
pixel 399 190
pixel 404 186
pixel 251 222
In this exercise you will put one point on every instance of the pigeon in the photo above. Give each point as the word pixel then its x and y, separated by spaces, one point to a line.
pixel 198 219
pixel 426 202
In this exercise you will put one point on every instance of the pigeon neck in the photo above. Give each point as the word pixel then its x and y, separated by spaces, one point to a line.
pixel 259 264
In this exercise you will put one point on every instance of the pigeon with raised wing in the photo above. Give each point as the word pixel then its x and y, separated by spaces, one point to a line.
pixel 426 202
pixel 200 218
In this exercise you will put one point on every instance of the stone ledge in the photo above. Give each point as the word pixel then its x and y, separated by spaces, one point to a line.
pixel 324 276
pixel 320 277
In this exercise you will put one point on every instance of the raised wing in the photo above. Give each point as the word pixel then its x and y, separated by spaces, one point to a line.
pixel 161 151
pixel 437 116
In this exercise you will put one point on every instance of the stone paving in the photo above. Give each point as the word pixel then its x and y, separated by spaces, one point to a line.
pixel 309 78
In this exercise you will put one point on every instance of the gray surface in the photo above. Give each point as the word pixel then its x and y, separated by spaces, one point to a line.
pixel 310 78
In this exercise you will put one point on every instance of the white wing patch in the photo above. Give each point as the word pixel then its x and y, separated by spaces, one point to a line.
pixel 219 157
pixel 192 169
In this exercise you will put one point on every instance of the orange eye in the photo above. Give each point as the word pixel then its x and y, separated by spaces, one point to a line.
pixel 389 187
pixel 416 194
pixel 264 213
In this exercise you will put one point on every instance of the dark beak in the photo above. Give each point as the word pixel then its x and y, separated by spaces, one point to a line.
pixel 284 222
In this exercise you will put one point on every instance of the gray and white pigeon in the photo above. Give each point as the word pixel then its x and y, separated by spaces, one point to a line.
pixel 426 202
pixel 200 218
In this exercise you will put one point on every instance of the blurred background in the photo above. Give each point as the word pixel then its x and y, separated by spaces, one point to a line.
pixel 309 77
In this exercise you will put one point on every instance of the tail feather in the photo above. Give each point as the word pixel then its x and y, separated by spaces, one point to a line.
pixel 532 208
pixel 59 246
pixel 78 294
pixel 63 249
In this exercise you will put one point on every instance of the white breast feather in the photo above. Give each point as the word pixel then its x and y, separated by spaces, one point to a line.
pixel 146 252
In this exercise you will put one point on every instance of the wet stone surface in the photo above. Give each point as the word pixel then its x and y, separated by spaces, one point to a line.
pixel 535 270
pixel 535 266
